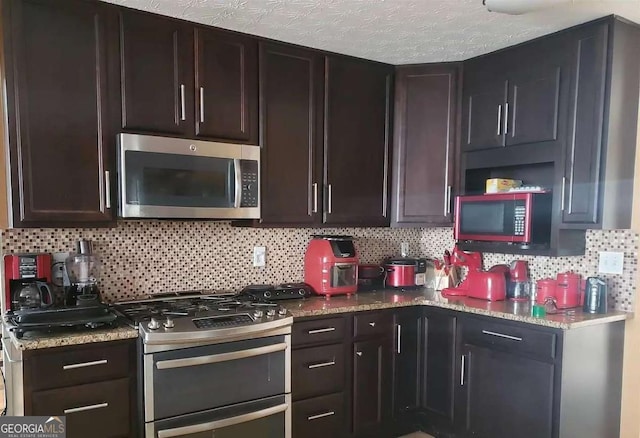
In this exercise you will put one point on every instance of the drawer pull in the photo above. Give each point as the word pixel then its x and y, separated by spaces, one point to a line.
pixel 372 324
pixel 322 330
pixel 86 408
pixel 501 335
pixel 326 414
pixel 84 364
pixel 323 364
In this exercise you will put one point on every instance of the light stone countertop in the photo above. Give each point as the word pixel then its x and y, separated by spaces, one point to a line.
pixel 36 340
pixel 390 298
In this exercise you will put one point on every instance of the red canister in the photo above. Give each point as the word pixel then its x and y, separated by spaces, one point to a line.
pixel 568 290
pixel 545 289
pixel 401 272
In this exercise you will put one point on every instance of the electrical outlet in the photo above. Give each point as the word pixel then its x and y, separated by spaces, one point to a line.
pixel 610 262
pixel 259 256
pixel 404 249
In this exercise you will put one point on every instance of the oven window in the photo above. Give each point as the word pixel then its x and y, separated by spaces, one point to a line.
pixel 343 275
pixel 483 218
pixel 178 180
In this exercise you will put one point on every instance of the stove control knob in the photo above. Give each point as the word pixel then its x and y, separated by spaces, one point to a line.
pixel 257 314
pixel 169 323
pixel 271 313
pixel 282 311
pixel 153 324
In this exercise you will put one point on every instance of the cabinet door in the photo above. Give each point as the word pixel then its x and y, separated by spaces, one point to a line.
pixel 484 109
pixel 226 86
pixel 407 360
pixel 424 146
pixel 505 395
pixel 581 182
pixel 531 115
pixel 60 144
pixel 356 135
pixel 156 61
pixel 371 384
pixel 291 82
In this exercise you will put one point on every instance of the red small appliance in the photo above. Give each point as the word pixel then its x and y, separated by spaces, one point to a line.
pixel 331 265
pixel 569 287
pixel 485 285
pixel 24 268
pixel 401 272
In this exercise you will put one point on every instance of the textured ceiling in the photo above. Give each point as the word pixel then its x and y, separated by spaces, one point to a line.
pixel 393 31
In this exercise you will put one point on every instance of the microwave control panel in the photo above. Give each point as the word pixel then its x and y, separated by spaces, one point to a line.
pixel 249 181
pixel 519 217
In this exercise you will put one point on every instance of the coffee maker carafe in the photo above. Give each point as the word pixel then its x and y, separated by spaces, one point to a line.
pixel 331 265
pixel 83 269
pixel 26 278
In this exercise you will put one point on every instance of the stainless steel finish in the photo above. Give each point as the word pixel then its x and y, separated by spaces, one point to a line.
pixel 506 118
pixel 372 324
pixel 149 405
pixel 183 106
pixel 271 313
pixel 499 119
pixel 153 324
pixel 86 408
pixel 217 358
pixel 85 364
pixel 84 246
pixel 329 199
pixel 12 369
pixel 462 370
pixel 257 314
pixel 564 184
pixel 287 366
pixel 167 145
pixel 237 176
pixel 282 312
pixel 201 104
pixel 359 353
pixel 501 335
pixel 168 323
pixel 323 415
pixel 107 189
pixel 398 334
pixel 219 424
pixel 322 330
pixel 315 197
pixel 321 365
pixel 447 200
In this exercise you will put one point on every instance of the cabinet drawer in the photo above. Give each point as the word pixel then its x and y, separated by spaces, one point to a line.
pixel 318 331
pixel 96 410
pixel 372 324
pixel 319 417
pixel 77 365
pixel 317 370
pixel 512 338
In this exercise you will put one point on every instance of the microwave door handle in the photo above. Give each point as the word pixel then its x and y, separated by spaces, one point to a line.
pixel 238 183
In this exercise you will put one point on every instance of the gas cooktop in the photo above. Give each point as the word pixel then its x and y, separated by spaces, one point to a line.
pixel 193 317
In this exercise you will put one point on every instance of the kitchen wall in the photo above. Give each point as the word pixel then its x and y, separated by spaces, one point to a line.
pixel 142 257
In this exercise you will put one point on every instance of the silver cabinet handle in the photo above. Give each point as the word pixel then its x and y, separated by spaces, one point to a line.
pixel 222 357
pixel 86 408
pixel 562 192
pixel 501 335
pixel 183 105
pixel 107 189
pixel 506 118
pixel 398 338
pixel 84 364
pixel 499 119
pixel 359 353
pixel 372 324
pixel 321 365
pixel 219 424
pixel 447 200
pixel 201 104
pixel 315 197
pixel 462 370
pixel 238 182
pixel 322 330
pixel 329 199
pixel 326 414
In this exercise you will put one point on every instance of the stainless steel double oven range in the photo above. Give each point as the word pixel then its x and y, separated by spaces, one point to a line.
pixel 213 366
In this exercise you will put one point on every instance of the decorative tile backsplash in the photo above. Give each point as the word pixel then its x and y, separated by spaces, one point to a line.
pixel 142 257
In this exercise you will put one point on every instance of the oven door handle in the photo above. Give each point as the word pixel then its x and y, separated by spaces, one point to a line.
pixel 219 424
pixel 217 358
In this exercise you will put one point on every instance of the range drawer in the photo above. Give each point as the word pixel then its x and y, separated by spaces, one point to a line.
pixel 95 410
pixel 318 331
pixel 372 324
pixel 317 370
pixel 319 417
pixel 76 365
pixel 512 338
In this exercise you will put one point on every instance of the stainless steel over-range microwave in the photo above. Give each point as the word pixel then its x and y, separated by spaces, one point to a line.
pixel 161 177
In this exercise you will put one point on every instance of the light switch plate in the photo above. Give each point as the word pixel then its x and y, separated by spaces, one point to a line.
pixel 259 256
pixel 610 262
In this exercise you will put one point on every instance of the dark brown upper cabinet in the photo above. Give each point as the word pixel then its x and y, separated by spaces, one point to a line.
pixel 187 81
pixel 291 103
pixel 484 113
pixel 424 154
pixel 60 142
pixel 357 114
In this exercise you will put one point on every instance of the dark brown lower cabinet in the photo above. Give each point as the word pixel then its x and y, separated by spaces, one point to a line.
pixel 320 417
